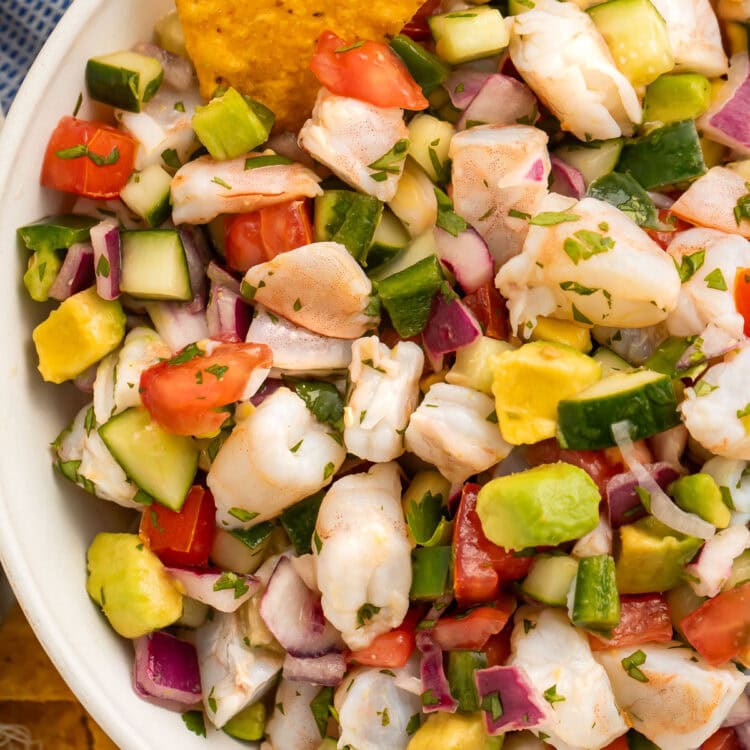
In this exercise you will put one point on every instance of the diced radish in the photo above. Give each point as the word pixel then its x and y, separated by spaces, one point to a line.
pixel 502 100
pixel 217 588
pixel 320 670
pixel 433 676
pixel 521 706
pixel 451 326
pixel 466 256
pixel 566 180
pixel 176 324
pixel 463 85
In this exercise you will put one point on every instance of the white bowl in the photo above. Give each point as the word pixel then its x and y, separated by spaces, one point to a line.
pixel 46 524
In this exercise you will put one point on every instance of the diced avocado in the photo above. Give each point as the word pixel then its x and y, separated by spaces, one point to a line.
pixel 465 35
pixel 528 384
pixel 431 573
pixel 543 506
pixel 596 603
pixel 429 142
pixel 740 571
pixel 444 731
pixel 44 265
pixel 349 218
pixel 82 330
pixel 169 34
pixel 473 365
pixel 426 69
pixel 637 38
pixel 623 192
pixel 229 126
pixel 424 503
pixel 460 672
pixel 676 97
pixel 592 160
pixel 699 494
pixel 651 556
pixel 130 584
pixel 249 724
pixel 550 578
pixel 636 741
pixel 562 332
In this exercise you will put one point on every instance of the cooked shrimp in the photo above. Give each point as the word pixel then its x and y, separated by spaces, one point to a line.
pixel 292 725
pixel 385 389
pixel 203 188
pixel 349 136
pixel 498 169
pixel 562 57
pixel 278 455
pixel 319 287
pixel 598 268
pixel 451 430
pixel 363 555
pixel 679 684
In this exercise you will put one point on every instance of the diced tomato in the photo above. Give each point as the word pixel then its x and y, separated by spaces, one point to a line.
pixel 472 629
pixel 742 295
pixel 643 619
pixel 369 71
pixel 719 630
pixel 418 27
pixel 497 647
pixel 722 739
pixel 489 309
pixel 480 567
pixel 621 743
pixel 73 160
pixel 185 394
pixel 391 650
pixel 243 242
pixel 183 538
pixel 664 238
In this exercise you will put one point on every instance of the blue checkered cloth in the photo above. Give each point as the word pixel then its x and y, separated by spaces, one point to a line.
pixel 24 27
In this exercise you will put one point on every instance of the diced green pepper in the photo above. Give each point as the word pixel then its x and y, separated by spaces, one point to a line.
pixel 426 69
pixel 624 192
pixel 431 573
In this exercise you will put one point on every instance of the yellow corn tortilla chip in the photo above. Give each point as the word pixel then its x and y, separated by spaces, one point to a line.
pixel 57 726
pixel 263 47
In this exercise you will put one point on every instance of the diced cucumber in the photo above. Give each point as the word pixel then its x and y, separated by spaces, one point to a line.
pixel 154 265
pixel 592 160
pixel 429 141
pixel 673 98
pixel 623 192
pixel 125 80
pixel 431 573
pixel 426 69
pixel 645 398
pixel 595 602
pixel 408 295
pixel 415 203
pixel 422 247
pixel 169 34
pixel 611 363
pixel 147 194
pixel 637 38
pixel 461 668
pixel 349 218
pixel 162 464
pixel 464 35
pixel 550 578
pixel 299 522
pixel 390 239
pixel 666 156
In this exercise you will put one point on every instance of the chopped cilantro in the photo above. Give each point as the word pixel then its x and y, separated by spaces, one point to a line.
pixel 584 243
pixel 242 515
pixel 716 280
pixel 551 218
pixel 194 722
pixel 551 695
pixel 631 663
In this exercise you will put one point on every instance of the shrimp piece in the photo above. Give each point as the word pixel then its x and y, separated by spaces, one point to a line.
pixel 233 675
pixel 292 725
pixel 275 457
pixel 363 556
pixel 498 169
pixel 319 287
pixel 553 653
pixel 694 36
pixel 564 60
pixel 384 394
pixel 680 684
pixel 715 413
pixel 203 188
pixel 600 268
pixel 374 711
pixel 450 430
pixel 348 135
pixel 704 299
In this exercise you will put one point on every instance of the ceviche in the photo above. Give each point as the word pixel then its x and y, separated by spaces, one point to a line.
pixel 435 413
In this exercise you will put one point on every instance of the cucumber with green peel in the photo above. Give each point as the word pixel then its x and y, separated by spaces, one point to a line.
pixel 593 160
pixel 426 69
pixel 349 218
pixel 163 465
pixel 429 142
pixel 643 397
pixel 147 194
pixel 390 239
pixel 611 363
pixel 461 668
pixel 676 97
pixel 154 265
pixel 126 80
pixel 550 578
pixel 595 601
pixel 465 35
pixel 431 573
pixel 420 248
pixel 625 193
pixel 299 522
pixel 667 156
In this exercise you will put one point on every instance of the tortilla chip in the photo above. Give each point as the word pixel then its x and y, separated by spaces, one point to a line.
pixel 58 726
pixel 263 47
pixel 99 740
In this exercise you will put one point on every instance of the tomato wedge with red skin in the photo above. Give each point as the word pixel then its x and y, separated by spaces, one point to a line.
pixel 418 28
pixel 621 743
pixel 643 619
pixel 497 647
pixel 368 71
pixel 184 537
pixel 185 394
pixel 488 307
pixel 664 238
pixel 722 739
pixel 390 650
pixel 472 629
pixel 719 630
pixel 481 568
pixel 80 174
pixel 742 295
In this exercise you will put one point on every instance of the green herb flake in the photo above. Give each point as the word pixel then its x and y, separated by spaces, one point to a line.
pixel 528 625
pixel 280 708
pixel 199 377
pixel 742 207
pixel 80 150
pixel 365 613
pixel 179 106
pixel 414 723
pixel 690 264
pixel 584 244
pixel 551 218
pixel 384 718
pixel 492 417
pixel 296 446
pixel 89 423
pixel 247 290
pixel 579 317
pixel 171 158
pixel 492 704
pixel 102 267
pixel 551 696
pixel 716 280
pixel 447 218
pixel 191 351
pixel 390 162
pixel 514 214
pixel 231 581
pixel 703 388
pixel 429 698
pixel 322 399
pixel 319 707
pixel 576 288
pixel 318 542
pixel 242 515
pixel 348 48
pixel 631 663
pixel 266 160
pixel 744 411
pixel 212 700
pixel 194 722
pixel 218 371
pixel 79 102
pixel 388 672
pixel 297 305
pixel 221 183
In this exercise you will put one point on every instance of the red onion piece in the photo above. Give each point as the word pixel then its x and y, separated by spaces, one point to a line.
pixel 670 445
pixel 451 326
pixel 713 342
pixel 727 120
pixel 166 671
pixel 176 324
pixel 295 616
pixel 660 200
pixel 714 564
pixel 285 144
pixel 85 381
pixel 463 85
pixel 178 72
pixel 105 239
pixel 536 173
pixel 434 681
pixel 76 272
pixel 522 707
pixel 197 254
pixel 466 256
pixel 739 713
pixel 228 315
pixel 566 180
pixel 222 277
pixel 622 499
pixel 501 101
pixel 267 389
pixel 743 735
pixel 321 670
pixel 217 588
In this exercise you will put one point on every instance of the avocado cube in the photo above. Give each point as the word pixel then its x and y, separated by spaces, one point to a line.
pixel 249 724
pixel 699 494
pixel 673 98
pixel 444 731
pixel 473 365
pixel 44 265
